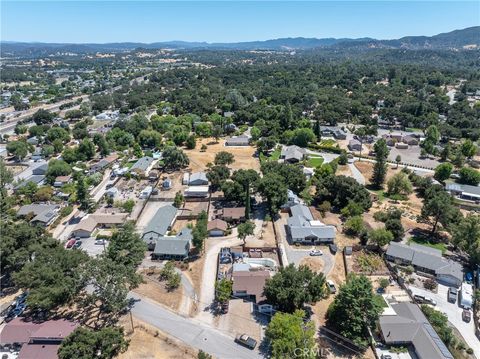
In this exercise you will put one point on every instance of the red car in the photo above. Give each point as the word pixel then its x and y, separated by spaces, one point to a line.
pixel 70 243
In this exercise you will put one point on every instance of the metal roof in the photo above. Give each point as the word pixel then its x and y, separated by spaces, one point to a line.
pixel 301 224
pixel 158 225
pixel 172 246
pixel 142 164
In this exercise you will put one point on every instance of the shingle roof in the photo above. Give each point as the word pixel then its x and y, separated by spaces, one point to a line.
pixel 409 325
pixel 142 164
pixel 217 224
pixel 289 152
pixel 198 176
pixel 161 221
pixel 42 212
pixel 301 226
pixel 251 282
pixel 172 246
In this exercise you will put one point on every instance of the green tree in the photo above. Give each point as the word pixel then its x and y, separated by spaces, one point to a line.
pixel 380 236
pixel 469 176
pixel 245 229
pixel 6 178
pixel 292 287
pixel 223 290
pixel 302 137
pixel 354 226
pixel 174 158
pixel 83 343
pixel 128 205
pixel 127 247
pixel 224 158
pixel 86 150
pixel 399 185
pixel 199 232
pixel 354 310
pixel 102 144
pixel 191 142
pixel 443 171
pixel 18 148
pixel 438 206
pixel 398 159
pixel 468 148
pixel 273 189
pixel 217 175
pixel 289 332
pixel 432 134
pixel 57 168
pixel 380 166
pixel 466 236
pixel 54 278
pixel 178 201
pixel 83 195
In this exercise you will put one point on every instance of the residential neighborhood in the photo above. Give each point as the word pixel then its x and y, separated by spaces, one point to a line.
pixel 289 198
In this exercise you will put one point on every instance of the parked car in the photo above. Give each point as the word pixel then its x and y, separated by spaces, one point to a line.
pixel 386 356
pixel 466 315
pixel 100 241
pixel 77 244
pixel 331 286
pixel 245 340
pixel 70 243
pixel 452 294
pixel 333 248
pixel 424 300
pixel 224 307
pixel 316 252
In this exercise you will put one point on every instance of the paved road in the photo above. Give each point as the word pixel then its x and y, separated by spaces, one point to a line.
pixel 190 331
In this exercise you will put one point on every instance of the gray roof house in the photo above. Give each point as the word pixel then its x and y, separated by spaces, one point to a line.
pixel 303 228
pixel 143 166
pixel 463 191
pixel 354 145
pixel 238 141
pixel 37 179
pixel 410 326
pixel 426 259
pixel 293 154
pixel 198 179
pixel 175 247
pixel 159 225
pixel 43 214
pixel 40 170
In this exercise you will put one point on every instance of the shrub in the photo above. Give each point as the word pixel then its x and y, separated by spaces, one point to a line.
pixel 430 284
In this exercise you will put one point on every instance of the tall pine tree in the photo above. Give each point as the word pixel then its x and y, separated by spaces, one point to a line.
pixel 380 167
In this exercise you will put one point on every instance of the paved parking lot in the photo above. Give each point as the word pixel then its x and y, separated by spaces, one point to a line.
pixel 454 314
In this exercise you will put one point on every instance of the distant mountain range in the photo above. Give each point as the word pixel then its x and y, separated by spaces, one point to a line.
pixel 468 38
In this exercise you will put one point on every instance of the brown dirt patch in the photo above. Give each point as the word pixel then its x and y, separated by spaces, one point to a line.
pixel 157 292
pixel 182 223
pixel 316 264
pixel 266 237
pixel 366 169
pixel 195 273
pixel 244 158
pixel 344 171
pixel 147 342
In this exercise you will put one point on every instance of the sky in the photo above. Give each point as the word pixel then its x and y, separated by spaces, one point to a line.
pixel 228 21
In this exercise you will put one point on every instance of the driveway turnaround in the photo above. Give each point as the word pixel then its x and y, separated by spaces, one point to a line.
pixel 190 331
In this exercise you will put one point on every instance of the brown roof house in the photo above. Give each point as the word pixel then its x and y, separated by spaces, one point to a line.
pixel 85 228
pixel 61 181
pixel 232 215
pixel 249 284
pixel 36 340
pixel 217 228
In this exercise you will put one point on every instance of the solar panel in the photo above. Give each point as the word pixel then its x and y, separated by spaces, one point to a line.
pixel 440 344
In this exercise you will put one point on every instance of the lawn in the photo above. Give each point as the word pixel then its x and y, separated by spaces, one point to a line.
pixel 380 301
pixel 425 242
pixel 314 161
pixel 274 156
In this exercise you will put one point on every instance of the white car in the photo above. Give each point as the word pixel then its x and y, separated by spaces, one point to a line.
pixel 316 252
pixel 331 286
pixel 101 241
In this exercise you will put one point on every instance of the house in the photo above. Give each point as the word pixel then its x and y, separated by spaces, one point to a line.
pixel 250 284
pixel 242 140
pixel 217 228
pixel 33 141
pixel 61 181
pixel 159 225
pixel 333 131
pixel 87 226
pixel 37 179
pixel 197 191
pixel 43 214
pixel 36 340
pixel 292 200
pixel 40 170
pixel 409 326
pixel 143 166
pixel 293 154
pixel 463 191
pixel 303 228
pixel 410 140
pixel 354 145
pixel 428 260
pixel 173 247
pixel 198 179
pixel 232 214
pixel 37 155
pixel 103 163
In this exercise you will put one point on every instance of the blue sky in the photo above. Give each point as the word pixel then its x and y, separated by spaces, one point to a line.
pixel 228 21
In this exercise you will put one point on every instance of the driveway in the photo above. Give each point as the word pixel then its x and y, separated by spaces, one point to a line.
pixel 357 174
pixel 327 157
pixel 192 332
pixel 454 314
